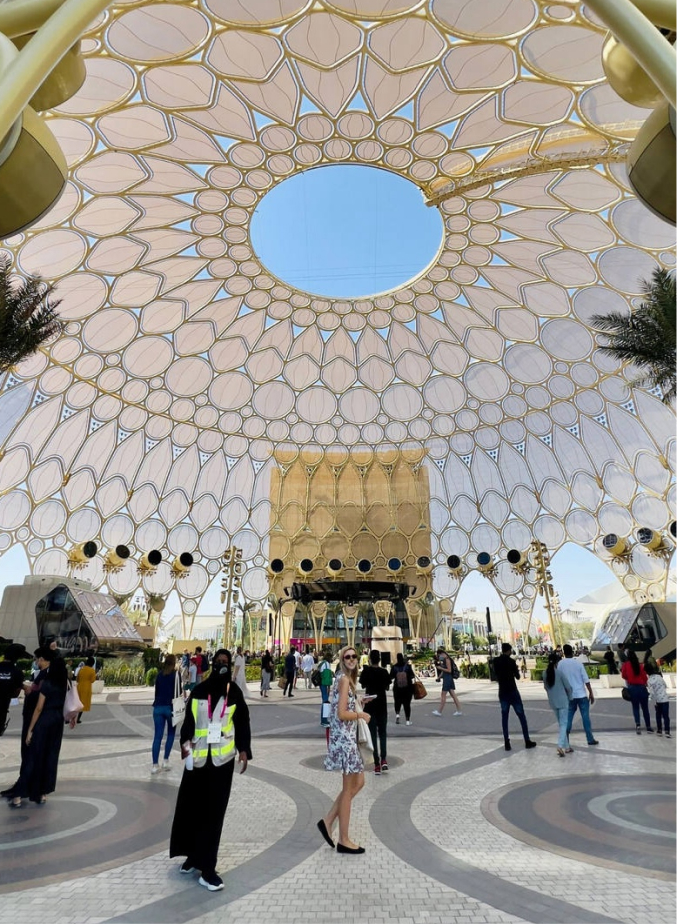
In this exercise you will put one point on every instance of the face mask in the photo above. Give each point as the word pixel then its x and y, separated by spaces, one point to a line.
pixel 225 669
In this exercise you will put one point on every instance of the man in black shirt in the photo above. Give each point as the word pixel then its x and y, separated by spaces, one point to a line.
pixel 11 681
pixel 376 680
pixel 507 673
pixel 289 671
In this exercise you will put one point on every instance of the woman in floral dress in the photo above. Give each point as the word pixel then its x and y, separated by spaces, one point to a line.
pixel 344 753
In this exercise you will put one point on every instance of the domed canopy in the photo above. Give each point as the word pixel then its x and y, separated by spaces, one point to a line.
pixel 186 368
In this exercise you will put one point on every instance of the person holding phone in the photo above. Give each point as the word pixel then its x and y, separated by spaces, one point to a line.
pixel 343 752
pixel 215 729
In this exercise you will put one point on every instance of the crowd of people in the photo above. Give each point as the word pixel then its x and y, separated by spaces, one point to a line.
pixel 213 721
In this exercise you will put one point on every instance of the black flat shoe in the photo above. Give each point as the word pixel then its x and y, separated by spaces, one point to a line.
pixel 341 849
pixel 322 828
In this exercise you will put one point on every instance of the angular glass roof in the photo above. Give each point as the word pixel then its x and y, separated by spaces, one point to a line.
pixel 154 420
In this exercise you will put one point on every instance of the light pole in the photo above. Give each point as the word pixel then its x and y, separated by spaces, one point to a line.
pixel 233 569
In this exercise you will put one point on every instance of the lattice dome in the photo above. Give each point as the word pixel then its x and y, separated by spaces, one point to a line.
pixel 185 365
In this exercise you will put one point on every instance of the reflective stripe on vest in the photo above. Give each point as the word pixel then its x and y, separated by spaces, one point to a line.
pixel 225 749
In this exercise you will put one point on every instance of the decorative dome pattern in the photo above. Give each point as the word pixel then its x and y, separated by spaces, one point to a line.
pixel 185 363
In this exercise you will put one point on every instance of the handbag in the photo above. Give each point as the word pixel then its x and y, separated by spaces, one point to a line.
pixel 420 691
pixel 282 683
pixel 72 705
pixel 364 742
pixel 178 703
pixel 625 693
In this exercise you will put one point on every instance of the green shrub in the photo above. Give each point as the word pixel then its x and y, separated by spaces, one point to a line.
pixel 151 676
pixel 478 670
pixel 151 657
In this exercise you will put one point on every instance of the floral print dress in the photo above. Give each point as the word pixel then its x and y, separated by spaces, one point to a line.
pixel 343 753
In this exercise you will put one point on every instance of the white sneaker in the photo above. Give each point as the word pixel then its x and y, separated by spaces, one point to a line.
pixel 165 765
pixel 458 713
pixel 409 722
pixel 436 712
pixel 155 768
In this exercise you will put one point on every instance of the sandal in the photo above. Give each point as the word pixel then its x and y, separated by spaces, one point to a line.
pixel 42 801
pixel 560 752
pixel 15 803
pixel 568 750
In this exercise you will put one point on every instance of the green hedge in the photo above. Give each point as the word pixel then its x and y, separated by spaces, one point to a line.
pixel 478 670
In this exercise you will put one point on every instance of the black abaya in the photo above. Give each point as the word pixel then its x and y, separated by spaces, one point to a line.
pixel 200 810
pixel 40 765
pixel 204 791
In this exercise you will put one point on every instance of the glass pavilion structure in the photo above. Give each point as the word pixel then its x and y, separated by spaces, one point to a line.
pixel 187 370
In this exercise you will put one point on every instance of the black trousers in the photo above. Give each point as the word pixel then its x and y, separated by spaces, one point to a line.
pixel 378 725
pixel 402 697
pixel 289 685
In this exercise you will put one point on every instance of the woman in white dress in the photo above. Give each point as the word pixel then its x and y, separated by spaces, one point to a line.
pixel 239 673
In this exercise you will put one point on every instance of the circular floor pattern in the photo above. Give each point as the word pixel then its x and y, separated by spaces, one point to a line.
pixel 617 821
pixel 85 827
pixel 317 763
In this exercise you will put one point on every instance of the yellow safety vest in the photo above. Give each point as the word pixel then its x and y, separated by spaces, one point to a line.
pixel 225 749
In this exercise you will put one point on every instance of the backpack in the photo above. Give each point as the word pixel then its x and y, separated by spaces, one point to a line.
pixel 401 678
pixel 455 673
pixel 316 677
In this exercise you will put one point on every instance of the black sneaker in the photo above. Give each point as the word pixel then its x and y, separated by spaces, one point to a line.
pixel 508 746
pixel 186 867
pixel 214 883
pixel 530 744
pixel 593 743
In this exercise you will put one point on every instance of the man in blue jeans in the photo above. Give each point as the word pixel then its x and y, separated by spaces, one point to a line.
pixel 507 673
pixel 576 676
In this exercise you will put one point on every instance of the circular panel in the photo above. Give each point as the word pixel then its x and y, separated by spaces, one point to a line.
pixel 52 253
pixel 581 526
pixel 550 531
pixel 117 530
pixel 566 339
pixel 485 538
pixel 148 34
pixel 316 405
pixel 14 509
pixel 151 535
pixel 527 363
pixel 83 525
pixel 255 584
pixel 183 538
pixel 48 519
pixel 359 405
pixel 190 375
pixel 402 401
pixel 195 582
pixel 487 381
pixel 213 542
pixel 444 394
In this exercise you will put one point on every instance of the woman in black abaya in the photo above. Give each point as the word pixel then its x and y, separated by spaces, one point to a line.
pixel 44 736
pixel 204 791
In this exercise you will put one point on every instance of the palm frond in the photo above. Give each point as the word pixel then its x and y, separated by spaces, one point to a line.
pixel 646 337
pixel 28 317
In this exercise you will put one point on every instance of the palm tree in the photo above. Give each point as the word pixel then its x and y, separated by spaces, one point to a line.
pixel 27 316
pixel 646 337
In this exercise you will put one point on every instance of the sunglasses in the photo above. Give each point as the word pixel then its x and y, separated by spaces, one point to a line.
pixel 350 657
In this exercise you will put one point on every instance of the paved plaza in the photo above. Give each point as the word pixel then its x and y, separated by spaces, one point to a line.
pixel 457 831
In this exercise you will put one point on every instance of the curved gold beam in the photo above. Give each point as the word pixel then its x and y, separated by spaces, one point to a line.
pixel 615 154
pixel 60 29
pixel 652 51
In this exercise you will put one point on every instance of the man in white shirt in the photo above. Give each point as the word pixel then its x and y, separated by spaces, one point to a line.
pixel 576 676
pixel 297 670
pixel 307 666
